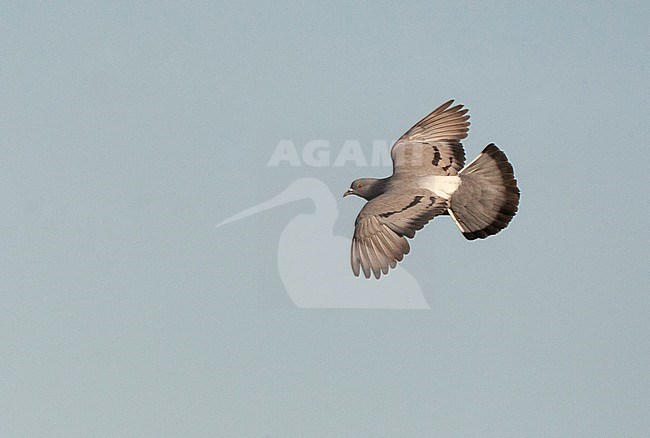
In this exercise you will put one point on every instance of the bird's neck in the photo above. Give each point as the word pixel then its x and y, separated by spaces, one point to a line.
pixel 377 187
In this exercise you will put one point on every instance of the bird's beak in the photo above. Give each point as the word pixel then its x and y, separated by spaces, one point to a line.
pixel 349 192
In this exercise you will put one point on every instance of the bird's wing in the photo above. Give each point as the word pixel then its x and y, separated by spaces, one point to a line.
pixel 432 146
pixel 383 224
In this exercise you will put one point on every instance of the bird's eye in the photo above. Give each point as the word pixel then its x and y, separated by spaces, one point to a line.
pixel 359 186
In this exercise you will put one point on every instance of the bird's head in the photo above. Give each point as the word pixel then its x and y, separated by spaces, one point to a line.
pixel 367 188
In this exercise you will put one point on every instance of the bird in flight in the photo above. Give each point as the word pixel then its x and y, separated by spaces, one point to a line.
pixel 430 179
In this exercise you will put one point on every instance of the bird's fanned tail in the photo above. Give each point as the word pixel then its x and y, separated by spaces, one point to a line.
pixel 488 197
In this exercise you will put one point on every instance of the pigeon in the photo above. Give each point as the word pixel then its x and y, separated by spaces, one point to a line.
pixel 430 179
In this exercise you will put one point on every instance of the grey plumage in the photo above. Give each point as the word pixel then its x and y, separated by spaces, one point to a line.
pixel 487 198
pixel 429 180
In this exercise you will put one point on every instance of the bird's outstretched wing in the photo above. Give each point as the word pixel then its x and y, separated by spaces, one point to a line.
pixel 383 224
pixel 432 146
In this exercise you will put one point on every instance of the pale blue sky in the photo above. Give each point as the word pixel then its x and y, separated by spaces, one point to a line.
pixel 128 130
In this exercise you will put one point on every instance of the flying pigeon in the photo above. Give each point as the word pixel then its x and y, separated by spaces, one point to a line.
pixel 430 179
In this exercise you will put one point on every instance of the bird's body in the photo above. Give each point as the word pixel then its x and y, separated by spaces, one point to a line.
pixel 429 179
